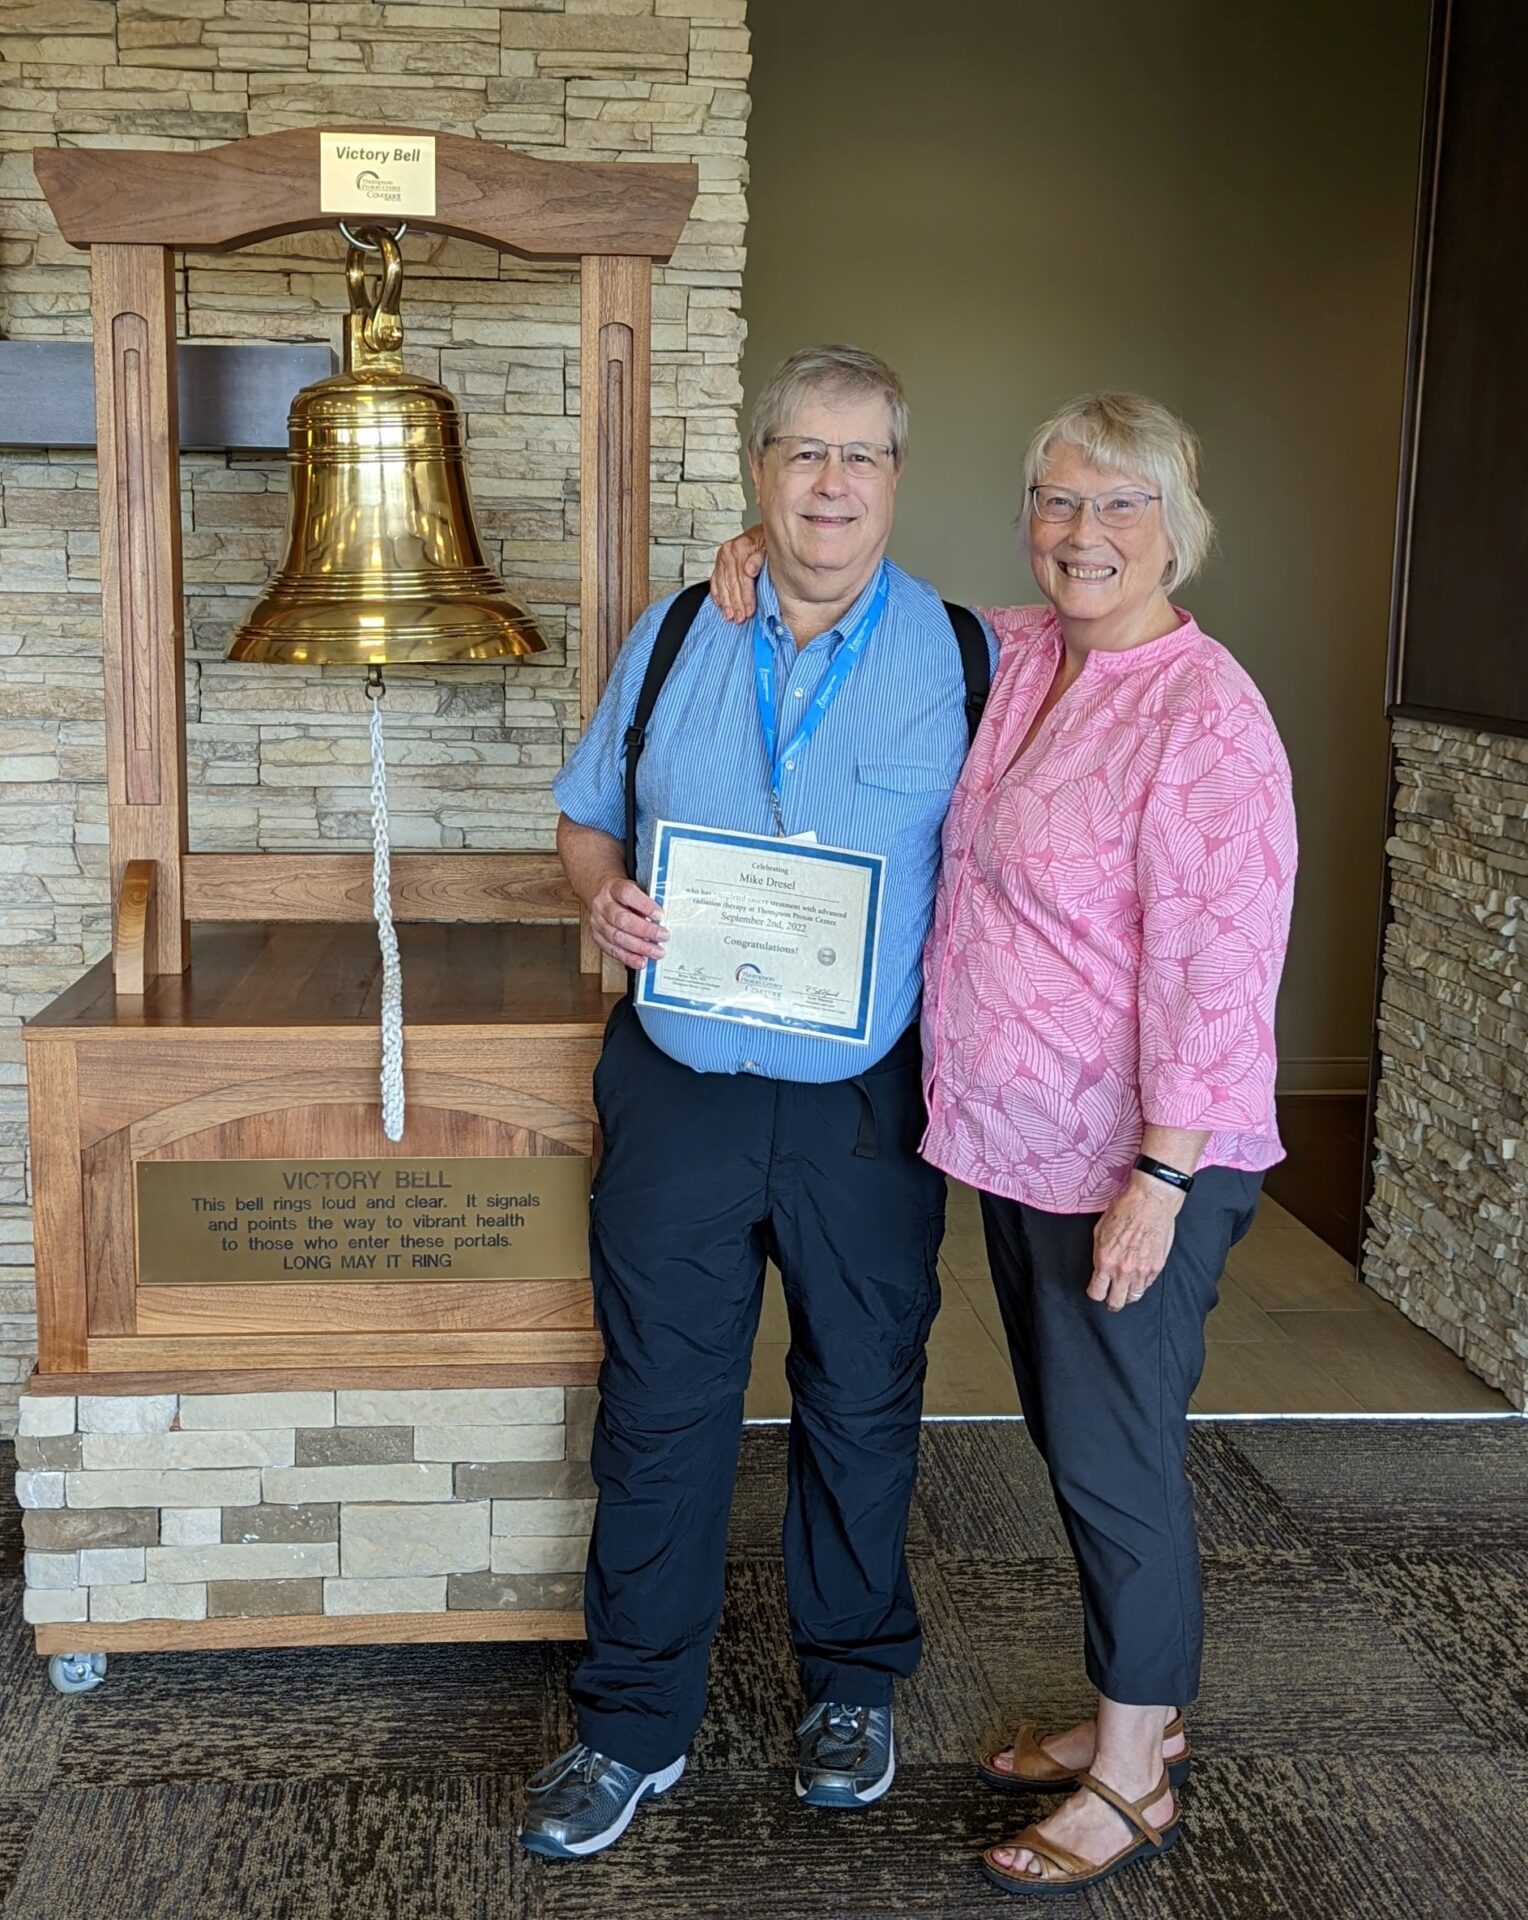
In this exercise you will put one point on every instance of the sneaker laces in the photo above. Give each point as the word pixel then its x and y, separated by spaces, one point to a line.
pixel 848 1727
pixel 579 1761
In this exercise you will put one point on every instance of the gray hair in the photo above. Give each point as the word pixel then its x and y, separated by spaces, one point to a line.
pixel 1127 433
pixel 846 373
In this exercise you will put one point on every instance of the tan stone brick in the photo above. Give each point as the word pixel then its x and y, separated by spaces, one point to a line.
pixel 205 1447
pixel 354 1446
pixel 231 1488
pixel 51 1570
pixel 595 33
pixel 426 1594
pixel 127 1413
pixel 249 1526
pixel 489 1443
pixel 512 1518
pixel 64 1532
pixel 503 1592
pixel 263 1599
pixel 111 1566
pixel 539 1553
pixel 389 1542
pixel 396 1483
pixel 55 1455
pixel 289 1561
pixel 147 1601
pixel 52 1607
pixel 41 1415
pixel 257 1411
pixel 525 1480
pixel 191 1526
pixel 449 1406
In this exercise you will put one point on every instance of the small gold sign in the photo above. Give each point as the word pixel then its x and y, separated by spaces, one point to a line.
pixel 269 1222
pixel 377 173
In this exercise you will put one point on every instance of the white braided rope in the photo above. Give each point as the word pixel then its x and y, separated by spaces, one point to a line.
pixel 387 938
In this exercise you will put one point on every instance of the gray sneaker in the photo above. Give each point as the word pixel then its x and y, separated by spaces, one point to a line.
pixel 847 1755
pixel 584 1801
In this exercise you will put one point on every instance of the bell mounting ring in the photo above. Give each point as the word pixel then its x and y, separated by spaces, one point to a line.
pixel 395 234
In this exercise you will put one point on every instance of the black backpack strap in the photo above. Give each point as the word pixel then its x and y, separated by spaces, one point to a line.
pixel 975 661
pixel 671 636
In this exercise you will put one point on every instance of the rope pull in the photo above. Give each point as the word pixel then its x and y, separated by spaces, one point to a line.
pixel 382 907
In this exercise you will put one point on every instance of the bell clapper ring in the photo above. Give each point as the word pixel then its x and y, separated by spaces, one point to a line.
pixel 376 686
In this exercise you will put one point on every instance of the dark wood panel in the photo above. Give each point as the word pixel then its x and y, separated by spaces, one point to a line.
pixel 293 975
pixel 1322 1181
pixel 229 196
pixel 210 1353
pixel 1460 651
pixel 233 396
pixel 337 886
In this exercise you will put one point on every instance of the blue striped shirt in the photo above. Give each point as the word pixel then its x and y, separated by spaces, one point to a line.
pixel 876 777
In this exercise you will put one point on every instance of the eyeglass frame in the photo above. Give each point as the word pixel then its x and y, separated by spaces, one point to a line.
pixel 840 447
pixel 1091 500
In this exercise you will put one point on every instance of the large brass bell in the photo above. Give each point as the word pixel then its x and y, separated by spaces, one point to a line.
pixel 383 563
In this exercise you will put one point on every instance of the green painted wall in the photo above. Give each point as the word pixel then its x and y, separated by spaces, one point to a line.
pixel 1207 201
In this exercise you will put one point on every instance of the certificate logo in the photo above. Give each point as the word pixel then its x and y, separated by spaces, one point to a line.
pixel 747 972
pixel 826 956
pixel 371 186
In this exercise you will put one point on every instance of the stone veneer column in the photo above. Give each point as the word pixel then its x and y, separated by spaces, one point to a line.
pixel 277 760
pixel 1448 1234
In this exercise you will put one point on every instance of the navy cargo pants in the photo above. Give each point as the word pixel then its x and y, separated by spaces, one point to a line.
pixel 704 1176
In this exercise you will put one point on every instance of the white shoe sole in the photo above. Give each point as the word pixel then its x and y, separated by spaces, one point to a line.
pixel 650 1787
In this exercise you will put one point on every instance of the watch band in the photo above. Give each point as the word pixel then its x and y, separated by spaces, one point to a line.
pixel 1159 1170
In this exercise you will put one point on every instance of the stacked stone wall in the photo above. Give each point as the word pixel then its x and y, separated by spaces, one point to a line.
pixel 277 757
pixel 1448 1233
pixel 205 1506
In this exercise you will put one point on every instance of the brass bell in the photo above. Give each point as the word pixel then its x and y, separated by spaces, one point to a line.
pixel 383 563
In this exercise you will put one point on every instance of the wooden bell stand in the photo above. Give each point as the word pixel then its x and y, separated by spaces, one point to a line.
pixel 236 1017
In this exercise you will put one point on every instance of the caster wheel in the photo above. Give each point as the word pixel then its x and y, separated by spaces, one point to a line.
pixel 77 1672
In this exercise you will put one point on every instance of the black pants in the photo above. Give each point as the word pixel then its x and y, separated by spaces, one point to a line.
pixel 1105 1398
pixel 704 1176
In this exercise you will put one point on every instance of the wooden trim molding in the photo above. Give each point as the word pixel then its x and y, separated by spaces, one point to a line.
pixel 316 1380
pixel 449 886
pixel 222 198
pixel 309 1630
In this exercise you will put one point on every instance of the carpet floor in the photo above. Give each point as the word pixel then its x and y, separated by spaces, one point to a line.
pixel 1362 1736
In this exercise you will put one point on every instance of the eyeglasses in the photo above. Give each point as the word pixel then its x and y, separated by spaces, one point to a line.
pixel 1119 509
pixel 809 455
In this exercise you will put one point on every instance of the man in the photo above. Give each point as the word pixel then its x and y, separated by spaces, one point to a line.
pixel 840 716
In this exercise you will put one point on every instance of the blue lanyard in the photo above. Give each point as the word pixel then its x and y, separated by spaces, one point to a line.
pixel 829 687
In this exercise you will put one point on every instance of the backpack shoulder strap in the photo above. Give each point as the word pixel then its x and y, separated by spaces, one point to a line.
pixel 671 637
pixel 975 661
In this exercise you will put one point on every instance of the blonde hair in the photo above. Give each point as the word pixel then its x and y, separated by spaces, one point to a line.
pixel 846 373
pixel 1126 433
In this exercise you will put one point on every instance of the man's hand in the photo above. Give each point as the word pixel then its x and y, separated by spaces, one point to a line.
pixel 1132 1241
pixel 739 562
pixel 626 924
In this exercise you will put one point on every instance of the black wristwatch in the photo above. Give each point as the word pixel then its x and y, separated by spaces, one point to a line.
pixel 1159 1170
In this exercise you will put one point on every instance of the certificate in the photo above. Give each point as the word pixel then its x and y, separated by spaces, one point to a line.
pixel 769 932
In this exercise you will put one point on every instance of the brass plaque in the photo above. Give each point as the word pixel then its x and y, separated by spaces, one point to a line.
pixel 264 1222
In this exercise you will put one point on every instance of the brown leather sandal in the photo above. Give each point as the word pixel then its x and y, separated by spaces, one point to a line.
pixel 1034 1771
pixel 1063 1872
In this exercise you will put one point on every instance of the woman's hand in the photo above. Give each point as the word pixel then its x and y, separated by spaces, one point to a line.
pixel 1132 1240
pixel 626 924
pixel 739 563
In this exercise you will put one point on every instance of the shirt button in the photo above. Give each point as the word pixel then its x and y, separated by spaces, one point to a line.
pixel 750 1066
pixel 790 766
pixel 801 693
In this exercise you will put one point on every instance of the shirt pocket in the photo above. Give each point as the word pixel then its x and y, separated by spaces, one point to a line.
pixel 902 797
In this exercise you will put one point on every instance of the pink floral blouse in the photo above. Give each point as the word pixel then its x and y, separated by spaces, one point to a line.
pixel 1111 921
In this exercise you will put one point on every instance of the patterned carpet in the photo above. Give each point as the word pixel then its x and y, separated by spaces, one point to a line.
pixel 1363 1732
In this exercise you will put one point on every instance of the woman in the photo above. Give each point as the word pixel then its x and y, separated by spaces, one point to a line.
pixel 1098 1035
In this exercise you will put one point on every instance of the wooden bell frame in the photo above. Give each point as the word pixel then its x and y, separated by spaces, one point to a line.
pixel 193 1040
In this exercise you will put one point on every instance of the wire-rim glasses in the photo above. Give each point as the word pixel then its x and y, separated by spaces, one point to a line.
pixel 1120 507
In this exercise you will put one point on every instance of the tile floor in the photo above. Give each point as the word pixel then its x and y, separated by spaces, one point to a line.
pixel 1294 1333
